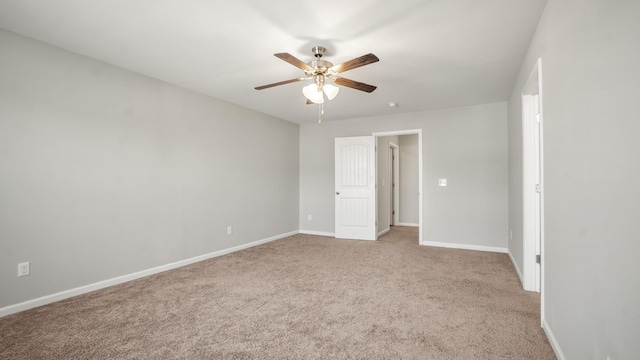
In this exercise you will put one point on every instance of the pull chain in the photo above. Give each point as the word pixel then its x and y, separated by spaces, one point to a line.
pixel 321 112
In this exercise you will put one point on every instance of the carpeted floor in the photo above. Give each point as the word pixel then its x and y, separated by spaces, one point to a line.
pixel 303 297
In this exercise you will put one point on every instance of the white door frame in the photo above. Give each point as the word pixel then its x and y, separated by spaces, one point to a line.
pixel 420 192
pixel 394 180
pixel 533 210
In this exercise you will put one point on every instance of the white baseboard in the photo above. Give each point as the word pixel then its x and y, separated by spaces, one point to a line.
pixel 466 247
pixel 408 224
pixel 384 231
pixel 48 299
pixel 515 266
pixel 319 233
pixel 552 340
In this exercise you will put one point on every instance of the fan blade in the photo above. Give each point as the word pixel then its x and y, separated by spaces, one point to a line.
pixel 354 63
pixel 279 83
pixel 309 102
pixel 294 61
pixel 354 84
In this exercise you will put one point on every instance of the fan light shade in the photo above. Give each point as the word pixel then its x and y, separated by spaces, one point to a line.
pixel 312 93
pixel 330 90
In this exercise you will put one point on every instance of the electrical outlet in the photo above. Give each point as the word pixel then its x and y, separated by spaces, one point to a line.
pixel 24 268
pixel 229 230
pixel 309 217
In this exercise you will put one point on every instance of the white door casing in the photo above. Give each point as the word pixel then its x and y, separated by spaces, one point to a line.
pixel 394 183
pixel 538 181
pixel 355 188
pixel 533 183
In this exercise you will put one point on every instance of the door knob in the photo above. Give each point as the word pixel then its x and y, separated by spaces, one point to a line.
pixel 337 193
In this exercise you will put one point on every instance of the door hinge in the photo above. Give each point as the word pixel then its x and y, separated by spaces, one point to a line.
pixel 393 212
pixel 538 188
pixel 538 259
pixel 376 223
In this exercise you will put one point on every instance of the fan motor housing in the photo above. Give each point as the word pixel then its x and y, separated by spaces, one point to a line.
pixel 320 66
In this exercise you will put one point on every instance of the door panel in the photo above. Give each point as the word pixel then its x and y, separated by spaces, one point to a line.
pixel 355 188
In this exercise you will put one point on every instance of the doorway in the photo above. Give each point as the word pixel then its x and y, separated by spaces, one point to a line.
pixel 356 185
pixel 532 182
pixel 391 151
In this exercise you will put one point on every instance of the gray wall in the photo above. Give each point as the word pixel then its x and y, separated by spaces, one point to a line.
pixel 409 180
pixel 104 172
pixel 590 56
pixel 466 145
pixel 384 183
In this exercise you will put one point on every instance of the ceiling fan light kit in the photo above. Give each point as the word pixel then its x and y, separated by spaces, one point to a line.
pixel 324 75
pixel 313 93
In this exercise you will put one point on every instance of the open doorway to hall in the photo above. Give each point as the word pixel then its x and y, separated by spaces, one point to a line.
pixel 398 182
pixel 358 213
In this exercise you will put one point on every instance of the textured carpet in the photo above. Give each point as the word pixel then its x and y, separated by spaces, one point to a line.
pixel 302 297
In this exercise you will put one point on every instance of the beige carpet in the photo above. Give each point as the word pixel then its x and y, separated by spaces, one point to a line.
pixel 303 297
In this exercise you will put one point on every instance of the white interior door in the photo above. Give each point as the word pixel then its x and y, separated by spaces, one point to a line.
pixel 392 184
pixel 355 188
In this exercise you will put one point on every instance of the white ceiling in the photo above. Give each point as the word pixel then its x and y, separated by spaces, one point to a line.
pixel 433 53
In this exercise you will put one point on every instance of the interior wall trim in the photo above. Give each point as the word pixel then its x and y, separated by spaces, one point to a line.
pixel 319 233
pixel 382 232
pixel 552 340
pixel 467 247
pixel 515 266
pixel 408 224
pixel 48 299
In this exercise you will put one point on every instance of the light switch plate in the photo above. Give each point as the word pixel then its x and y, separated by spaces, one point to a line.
pixel 442 182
